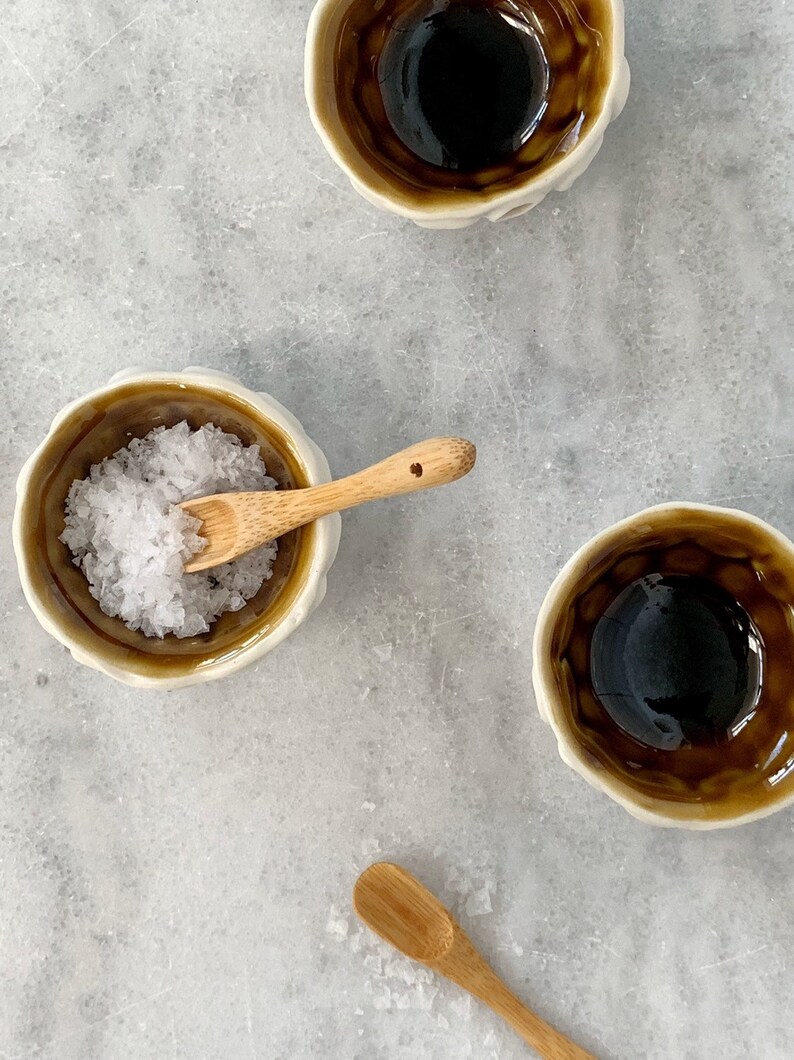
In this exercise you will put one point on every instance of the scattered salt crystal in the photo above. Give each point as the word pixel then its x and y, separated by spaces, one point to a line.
pixel 425 995
pixel 457 883
pixel 382 1001
pixel 461 1006
pixel 368 807
pixel 359 1012
pixel 337 925
pixel 479 903
pixel 443 1022
pixel 131 540
pixel 385 950
pixel 370 847
pixel 383 651
pixel 402 969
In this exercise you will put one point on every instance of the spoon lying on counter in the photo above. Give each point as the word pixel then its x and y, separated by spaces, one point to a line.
pixel 235 523
pixel 404 913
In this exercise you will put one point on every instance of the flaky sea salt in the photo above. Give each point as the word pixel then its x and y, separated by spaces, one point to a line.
pixel 131 541
pixel 337 925
pixel 382 1002
pixel 479 903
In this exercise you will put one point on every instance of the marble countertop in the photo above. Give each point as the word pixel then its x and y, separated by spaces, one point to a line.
pixel 176 869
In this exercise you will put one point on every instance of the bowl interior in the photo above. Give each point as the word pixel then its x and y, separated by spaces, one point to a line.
pixel 96 429
pixel 345 44
pixel 754 769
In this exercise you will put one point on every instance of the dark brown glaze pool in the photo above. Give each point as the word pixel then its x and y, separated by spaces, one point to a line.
pixel 96 430
pixel 709 768
pixel 452 101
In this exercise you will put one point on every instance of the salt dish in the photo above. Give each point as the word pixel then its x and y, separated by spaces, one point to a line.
pixel 95 427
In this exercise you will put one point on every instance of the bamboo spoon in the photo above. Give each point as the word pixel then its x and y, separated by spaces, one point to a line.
pixel 234 523
pixel 404 913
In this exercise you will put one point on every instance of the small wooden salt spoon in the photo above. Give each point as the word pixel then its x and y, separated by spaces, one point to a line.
pixel 234 523
pixel 404 913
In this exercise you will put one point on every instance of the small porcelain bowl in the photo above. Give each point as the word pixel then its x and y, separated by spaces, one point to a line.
pixel 95 427
pixel 684 784
pixel 451 206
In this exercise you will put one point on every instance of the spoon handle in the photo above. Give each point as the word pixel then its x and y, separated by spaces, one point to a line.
pixel 420 467
pixel 235 523
pixel 464 965
pixel 434 462
pixel 550 1043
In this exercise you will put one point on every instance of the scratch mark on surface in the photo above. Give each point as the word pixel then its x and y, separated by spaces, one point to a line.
pixel 94 1023
pixel 298 671
pixel 324 180
pixel 154 187
pixel 735 957
pixel 600 942
pixel 128 1008
pixel 248 1020
pixel 20 64
pixel 458 618
pixel 32 113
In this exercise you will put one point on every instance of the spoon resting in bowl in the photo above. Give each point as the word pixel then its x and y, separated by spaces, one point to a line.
pixel 235 523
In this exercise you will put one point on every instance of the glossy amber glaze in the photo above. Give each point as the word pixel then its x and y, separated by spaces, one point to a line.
pixel 573 40
pixel 96 430
pixel 754 766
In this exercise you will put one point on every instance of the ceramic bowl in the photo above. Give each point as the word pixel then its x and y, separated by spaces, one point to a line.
pixel 459 208
pixel 731 783
pixel 96 426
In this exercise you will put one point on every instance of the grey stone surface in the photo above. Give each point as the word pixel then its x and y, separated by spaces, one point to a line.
pixel 176 869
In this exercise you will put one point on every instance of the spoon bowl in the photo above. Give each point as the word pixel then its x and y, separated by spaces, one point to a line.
pixel 403 912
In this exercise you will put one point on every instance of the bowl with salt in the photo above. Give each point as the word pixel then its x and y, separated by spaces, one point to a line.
pixel 100 543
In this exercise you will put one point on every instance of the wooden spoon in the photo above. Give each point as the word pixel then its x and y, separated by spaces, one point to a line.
pixel 404 913
pixel 234 523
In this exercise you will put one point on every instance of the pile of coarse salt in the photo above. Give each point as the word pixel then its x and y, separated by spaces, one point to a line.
pixel 131 541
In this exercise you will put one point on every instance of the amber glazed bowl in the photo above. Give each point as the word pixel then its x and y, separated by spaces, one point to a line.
pixel 352 125
pixel 733 781
pixel 95 427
